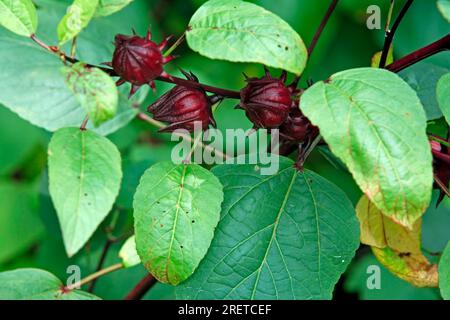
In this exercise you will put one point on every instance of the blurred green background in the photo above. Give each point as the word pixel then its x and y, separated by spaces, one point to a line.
pixel 29 230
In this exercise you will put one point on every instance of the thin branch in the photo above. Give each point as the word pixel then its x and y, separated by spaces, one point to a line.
pixel 389 34
pixel 94 276
pixel 175 45
pixel 105 250
pixel 440 45
pixel 441 156
pixel 172 79
pixel 141 288
pixel 144 117
pixel 84 124
pixel 318 33
pixel 442 185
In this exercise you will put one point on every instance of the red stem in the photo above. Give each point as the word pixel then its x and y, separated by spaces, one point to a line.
pixel 441 156
pixel 440 45
pixel 389 35
pixel 141 288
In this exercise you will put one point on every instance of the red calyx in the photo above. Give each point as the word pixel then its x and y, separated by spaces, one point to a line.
pixel 267 100
pixel 297 127
pixel 139 60
pixel 181 107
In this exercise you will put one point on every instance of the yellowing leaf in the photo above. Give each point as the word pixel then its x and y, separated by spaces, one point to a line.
pixel 412 268
pixel 379 231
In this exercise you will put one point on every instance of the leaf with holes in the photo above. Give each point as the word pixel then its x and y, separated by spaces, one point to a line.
pixel 240 31
pixel 286 236
pixel 78 16
pixel 95 91
pixel 108 7
pixel 374 122
pixel 443 96
pixel 176 209
pixel 18 16
pixel 84 179
pixel 36 284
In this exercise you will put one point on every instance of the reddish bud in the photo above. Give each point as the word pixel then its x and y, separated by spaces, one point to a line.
pixel 266 101
pixel 441 167
pixel 138 60
pixel 181 107
pixel 297 127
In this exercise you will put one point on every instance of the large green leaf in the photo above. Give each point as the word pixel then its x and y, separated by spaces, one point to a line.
pixel 444 8
pixel 176 209
pixel 84 180
pixel 20 226
pixel 36 284
pixel 78 16
pixel 240 31
pixel 19 16
pixel 443 96
pixel 444 273
pixel 95 90
pixel 374 122
pixel 286 236
pixel 108 7
pixel 423 78
pixel 33 86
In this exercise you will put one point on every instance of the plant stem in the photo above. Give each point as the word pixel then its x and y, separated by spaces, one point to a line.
pixel 73 50
pixel 318 33
pixel 442 185
pixel 440 45
pixel 441 156
pixel 105 250
pixel 84 124
pixel 389 34
pixel 141 288
pixel 441 141
pixel 389 17
pixel 175 45
pixel 144 117
pixel 95 275
pixel 175 80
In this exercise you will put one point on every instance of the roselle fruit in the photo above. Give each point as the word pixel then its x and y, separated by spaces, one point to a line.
pixel 267 100
pixel 182 106
pixel 139 60
pixel 297 127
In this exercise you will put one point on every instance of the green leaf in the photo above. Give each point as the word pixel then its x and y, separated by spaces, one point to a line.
pixel 78 16
pixel 240 31
pixel 95 90
pixel 108 7
pixel 36 284
pixel 48 103
pixel 84 180
pixel 128 253
pixel 444 8
pixel 286 236
pixel 176 209
pixel 423 78
pixel 20 226
pixel 15 147
pixel 19 16
pixel 374 122
pixel 443 95
pixel 444 273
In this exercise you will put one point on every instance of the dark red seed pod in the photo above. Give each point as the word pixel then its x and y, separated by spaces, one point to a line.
pixel 267 100
pixel 297 127
pixel 139 60
pixel 182 106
